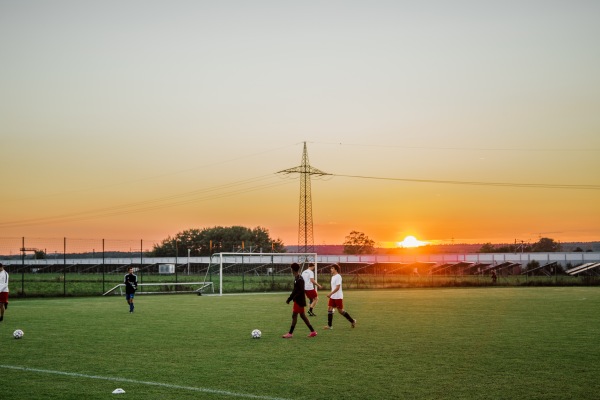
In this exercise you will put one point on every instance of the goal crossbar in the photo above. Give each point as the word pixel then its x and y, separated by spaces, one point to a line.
pixel 203 285
pixel 262 258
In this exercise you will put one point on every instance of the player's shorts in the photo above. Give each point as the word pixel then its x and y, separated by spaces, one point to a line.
pixel 129 296
pixel 336 303
pixel 297 309
pixel 4 297
pixel 311 294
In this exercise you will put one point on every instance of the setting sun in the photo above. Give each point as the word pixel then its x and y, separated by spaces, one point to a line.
pixel 411 241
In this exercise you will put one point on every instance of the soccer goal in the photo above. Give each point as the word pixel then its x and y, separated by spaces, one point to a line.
pixel 261 271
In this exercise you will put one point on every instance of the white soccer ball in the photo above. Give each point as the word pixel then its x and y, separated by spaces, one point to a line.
pixel 256 334
pixel 18 334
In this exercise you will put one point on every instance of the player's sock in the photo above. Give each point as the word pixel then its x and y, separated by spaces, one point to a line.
pixel 1 317
pixel 311 328
pixel 348 317
pixel 330 318
pixel 292 329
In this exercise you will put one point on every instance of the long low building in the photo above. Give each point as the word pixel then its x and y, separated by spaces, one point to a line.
pixel 564 259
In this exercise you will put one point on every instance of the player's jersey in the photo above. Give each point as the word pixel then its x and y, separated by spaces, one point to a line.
pixel 307 275
pixel 336 280
pixel 3 281
pixel 130 283
pixel 297 294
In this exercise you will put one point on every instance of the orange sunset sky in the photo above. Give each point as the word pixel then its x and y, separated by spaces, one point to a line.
pixel 140 119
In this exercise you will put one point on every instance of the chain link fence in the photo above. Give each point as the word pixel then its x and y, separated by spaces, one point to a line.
pixel 88 267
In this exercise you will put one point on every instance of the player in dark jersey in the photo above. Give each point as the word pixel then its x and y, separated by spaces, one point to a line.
pixel 299 299
pixel 130 287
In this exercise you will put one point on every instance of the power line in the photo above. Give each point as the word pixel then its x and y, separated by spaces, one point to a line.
pixel 212 193
pixel 462 148
pixel 475 183
pixel 152 178
pixel 240 187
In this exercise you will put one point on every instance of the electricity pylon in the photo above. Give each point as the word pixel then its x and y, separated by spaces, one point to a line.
pixel 305 224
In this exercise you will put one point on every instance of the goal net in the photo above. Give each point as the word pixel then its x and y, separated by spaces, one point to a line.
pixel 256 272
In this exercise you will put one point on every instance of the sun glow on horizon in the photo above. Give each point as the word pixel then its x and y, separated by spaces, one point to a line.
pixel 410 241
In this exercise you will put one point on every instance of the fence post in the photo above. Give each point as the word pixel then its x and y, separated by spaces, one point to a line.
pixel 65 267
pixel 103 268
pixel 23 265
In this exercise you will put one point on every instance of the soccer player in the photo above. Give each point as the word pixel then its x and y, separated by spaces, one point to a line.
pixel 336 298
pixel 130 287
pixel 299 299
pixel 3 291
pixel 309 287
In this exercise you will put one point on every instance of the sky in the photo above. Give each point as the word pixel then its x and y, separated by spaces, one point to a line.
pixel 142 119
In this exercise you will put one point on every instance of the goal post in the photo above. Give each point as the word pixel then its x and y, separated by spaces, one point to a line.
pixel 269 264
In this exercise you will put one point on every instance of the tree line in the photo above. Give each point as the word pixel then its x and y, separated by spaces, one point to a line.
pixel 207 241
pixel 204 242
pixel 544 245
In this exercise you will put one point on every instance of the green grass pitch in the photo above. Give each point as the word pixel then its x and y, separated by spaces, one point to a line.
pixel 476 343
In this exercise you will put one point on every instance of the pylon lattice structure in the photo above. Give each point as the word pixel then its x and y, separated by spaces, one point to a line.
pixel 305 221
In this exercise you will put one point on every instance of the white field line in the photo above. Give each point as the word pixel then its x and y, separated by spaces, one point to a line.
pixel 125 380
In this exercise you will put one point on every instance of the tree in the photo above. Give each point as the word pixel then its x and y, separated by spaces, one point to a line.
pixel 487 248
pixel 39 255
pixel 546 245
pixel 204 242
pixel 358 243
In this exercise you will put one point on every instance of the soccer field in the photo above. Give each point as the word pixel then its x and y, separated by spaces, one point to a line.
pixel 500 343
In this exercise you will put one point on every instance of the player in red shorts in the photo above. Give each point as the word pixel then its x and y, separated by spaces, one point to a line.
pixel 309 287
pixel 299 299
pixel 3 291
pixel 336 298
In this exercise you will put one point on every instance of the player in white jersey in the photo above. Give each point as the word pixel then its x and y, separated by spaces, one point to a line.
pixel 336 298
pixel 309 287
pixel 3 291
